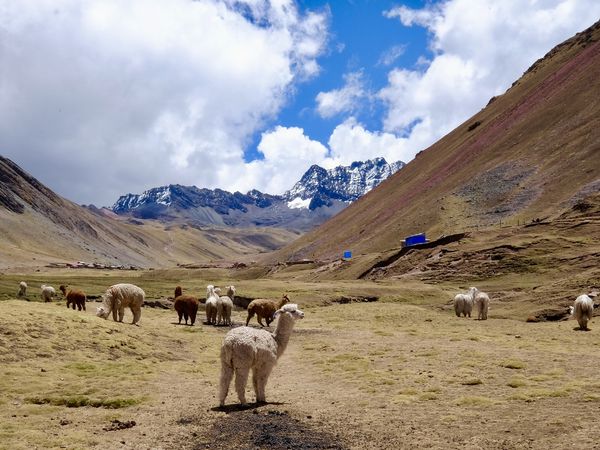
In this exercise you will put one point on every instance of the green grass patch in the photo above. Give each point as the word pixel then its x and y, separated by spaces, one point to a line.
pixel 79 401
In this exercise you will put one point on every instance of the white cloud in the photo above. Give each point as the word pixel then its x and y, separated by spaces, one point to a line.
pixel 424 17
pixel 350 142
pixel 390 56
pixel 479 48
pixel 287 152
pixel 103 97
pixel 345 99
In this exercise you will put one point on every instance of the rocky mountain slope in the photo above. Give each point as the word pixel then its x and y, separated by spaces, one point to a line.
pixel 37 227
pixel 316 197
pixel 529 155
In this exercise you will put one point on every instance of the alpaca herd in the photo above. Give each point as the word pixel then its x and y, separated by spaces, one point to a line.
pixel 246 348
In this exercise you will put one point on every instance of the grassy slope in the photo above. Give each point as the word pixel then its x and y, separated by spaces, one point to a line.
pixel 534 151
pixel 30 239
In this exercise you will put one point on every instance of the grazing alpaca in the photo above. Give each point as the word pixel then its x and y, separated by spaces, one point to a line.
pixel 246 348
pixel 48 293
pixel 582 310
pixel 212 301
pixel 186 306
pixel 178 292
pixel 264 308
pixel 22 289
pixel 482 300
pixel 74 297
pixel 120 296
pixel 225 306
pixel 463 303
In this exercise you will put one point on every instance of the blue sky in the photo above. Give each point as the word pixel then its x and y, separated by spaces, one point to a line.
pixel 101 98
pixel 360 36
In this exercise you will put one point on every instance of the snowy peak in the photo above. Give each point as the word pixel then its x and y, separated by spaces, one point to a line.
pixel 329 190
pixel 319 187
pixel 157 201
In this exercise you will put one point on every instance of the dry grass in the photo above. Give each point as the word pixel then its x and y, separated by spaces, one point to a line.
pixel 389 365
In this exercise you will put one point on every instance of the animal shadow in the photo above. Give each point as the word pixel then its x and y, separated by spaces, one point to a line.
pixel 237 407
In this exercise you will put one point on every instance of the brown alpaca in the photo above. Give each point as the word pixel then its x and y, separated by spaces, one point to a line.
pixel 74 297
pixel 178 292
pixel 186 306
pixel 265 308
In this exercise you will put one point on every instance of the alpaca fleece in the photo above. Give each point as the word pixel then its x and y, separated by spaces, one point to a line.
pixel 74 297
pixel 186 307
pixel 48 293
pixel 582 310
pixel 120 296
pixel 265 309
pixel 247 348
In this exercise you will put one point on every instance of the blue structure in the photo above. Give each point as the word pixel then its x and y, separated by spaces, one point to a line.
pixel 415 239
pixel 347 254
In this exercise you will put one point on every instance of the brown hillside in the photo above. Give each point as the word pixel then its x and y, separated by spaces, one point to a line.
pixel 38 227
pixel 530 153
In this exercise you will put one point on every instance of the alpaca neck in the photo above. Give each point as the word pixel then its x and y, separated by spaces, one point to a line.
pixel 282 333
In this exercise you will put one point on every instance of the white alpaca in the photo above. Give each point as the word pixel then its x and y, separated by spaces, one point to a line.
pixel 482 300
pixel 246 348
pixel 582 310
pixel 463 303
pixel 225 305
pixel 48 293
pixel 120 296
pixel 212 301
pixel 22 289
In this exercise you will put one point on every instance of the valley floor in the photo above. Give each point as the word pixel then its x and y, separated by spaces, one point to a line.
pixel 360 375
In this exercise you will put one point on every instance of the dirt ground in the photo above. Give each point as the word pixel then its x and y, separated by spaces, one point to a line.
pixel 354 376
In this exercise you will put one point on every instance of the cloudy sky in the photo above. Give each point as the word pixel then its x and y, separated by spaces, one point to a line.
pixel 101 98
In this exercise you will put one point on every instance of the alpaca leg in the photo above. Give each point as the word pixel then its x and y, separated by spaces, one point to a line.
pixel 255 382
pixel 262 375
pixel 250 315
pixel 241 378
pixel 185 316
pixel 114 314
pixel 226 376
pixel 83 304
pixel 180 314
pixel 121 314
pixel 259 318
pixel 137 313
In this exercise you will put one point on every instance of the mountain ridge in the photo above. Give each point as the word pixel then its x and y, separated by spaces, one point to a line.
pixel 318 195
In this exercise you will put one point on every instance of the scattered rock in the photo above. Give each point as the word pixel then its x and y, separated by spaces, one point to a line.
pixel 161 303
pixel 116 424
pixel 355 299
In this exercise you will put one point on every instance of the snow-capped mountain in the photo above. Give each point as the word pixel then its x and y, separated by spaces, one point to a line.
pixel 319 187
pixel 318 195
